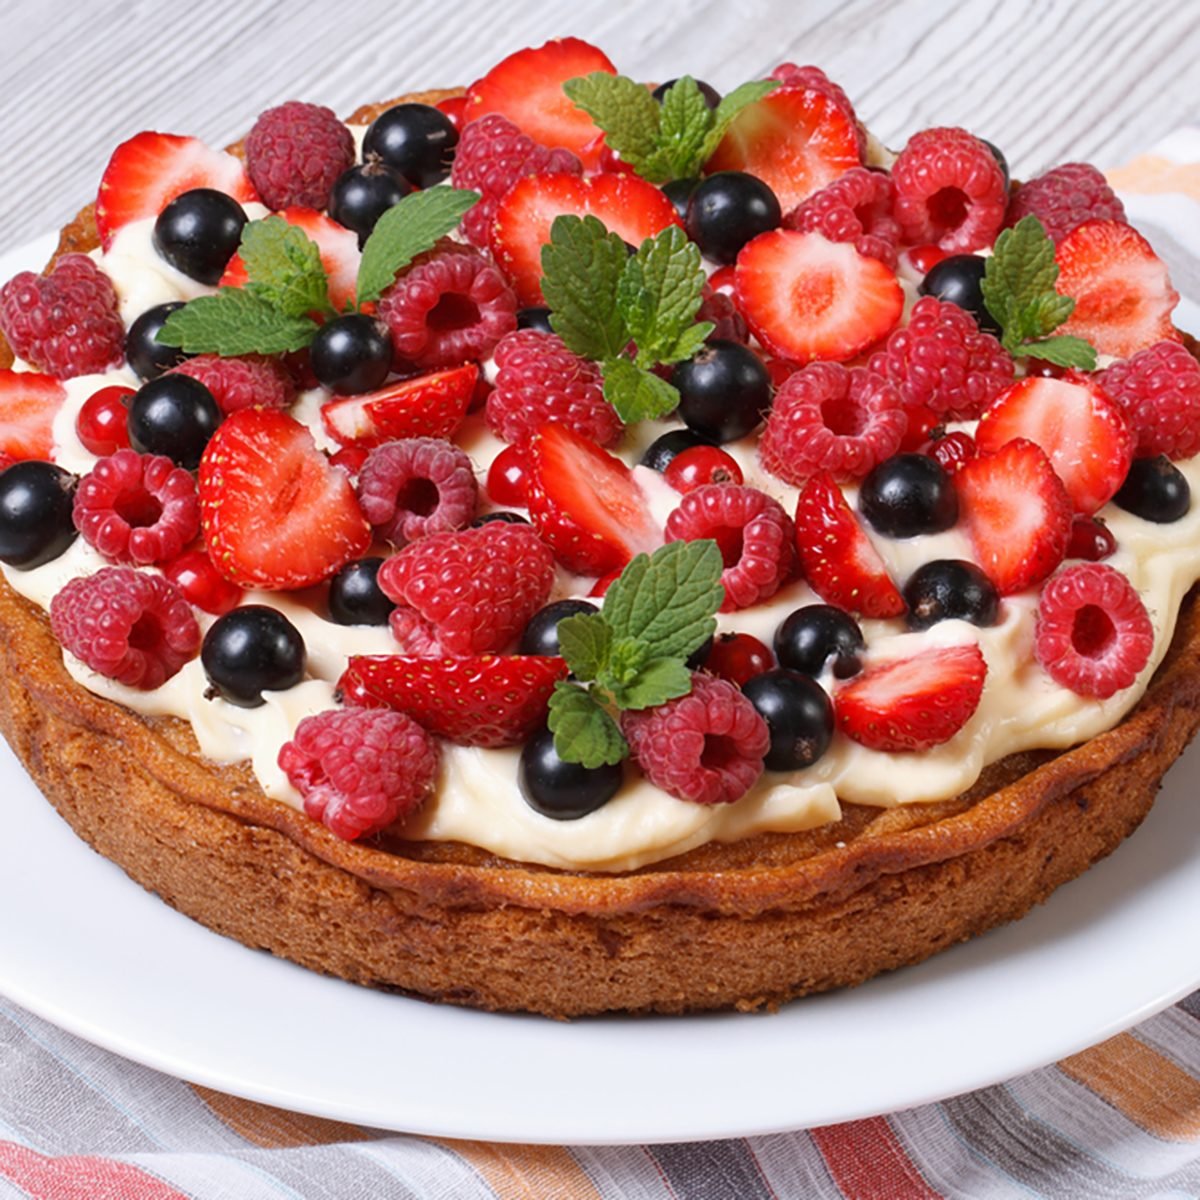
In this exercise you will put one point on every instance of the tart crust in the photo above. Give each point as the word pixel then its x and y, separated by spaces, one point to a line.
pixel 744 925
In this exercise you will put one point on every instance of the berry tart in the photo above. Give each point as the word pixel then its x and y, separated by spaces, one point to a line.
pixel 573 545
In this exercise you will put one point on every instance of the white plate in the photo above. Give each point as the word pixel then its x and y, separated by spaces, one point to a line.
pixel 87 949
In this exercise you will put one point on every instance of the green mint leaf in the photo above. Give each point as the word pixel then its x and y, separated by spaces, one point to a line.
pixel 628 657
pixel 659 680
pixel 667 600
pixel 1064 350
pixel 684 133
pixel 233 322
pixel 732 104
pixel 406 230
pixel 581 267
pixel 659 292
pixel 585 641
pixel 637 394
pixel 689 342
pixel 623 108
pixel 584 732
pixel 284 267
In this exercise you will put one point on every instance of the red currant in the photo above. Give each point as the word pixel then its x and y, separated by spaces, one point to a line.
pixel 738 657
pixel 204 586
pixel 604 583
pixel 1044 369
pixel 925 258
pixel 101 423
pixel 452 107
pixel 508 477
pixel 350 459
pixel 721 280
pixel 953 450
pixel 780 371
pixel 699 466
pixel 922 422
pixel 1091 539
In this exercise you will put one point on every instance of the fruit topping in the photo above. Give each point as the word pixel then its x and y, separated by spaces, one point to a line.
pixel 295 153
pixel 362 194
pixel 541 634
pixel 417 140
pixel 561 790
pixel 29 403
pixel 737 657
pixel 101 423
pixel 36 525
pixel 1158 390
pixel 1155 490
pixel 175 416
pixel 949 589
pixel 816 80
pixel 254 381
pixel 1091 539
pixel 198 233
pixel 508 477
pixel 798 714
pixel 659 455
pixel 1062 199
pixel 535 316
pixel 907 495
pixel 700 466
pixel 812 635
pixel 251 650
pixel 202 584
pixel 423 406
pixel 148 357
pixel 724 391
pixel 728 209
pixel 352 354
pixel 957 280
pixel 856 207
pixel 952 450
pixel 355 597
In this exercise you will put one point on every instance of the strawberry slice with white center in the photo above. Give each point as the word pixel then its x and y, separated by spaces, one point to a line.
pixel 913 703
pixel 527 88
pixel 340 255
pixel 427 406
pixel 149 170
pixel 1123 293
pixel 807 298
pixel 1084 434
pixel 29 402
pixel 627 205
pixel 794 139
pixel 586 504
pixel 275 513
pixel 1017 513
pixel 839 561
pixel 482 700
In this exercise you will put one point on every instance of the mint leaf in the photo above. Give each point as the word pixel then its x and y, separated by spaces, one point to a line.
pixel 659 292
pixel 626 110
pixel 636 394
pixel 689 342
pixel 1065 350
pixel 731 104
pixel 233 322
pixel 584 732
pixel 584 641
pixel 581 268
pixel 659 680
pixel 284 267
pixel 685 128
pixel 406 230
pixel 626 661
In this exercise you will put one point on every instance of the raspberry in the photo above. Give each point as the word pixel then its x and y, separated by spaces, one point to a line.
pixel 1158 389
pixel 813 78
pixel 1064 198
pixel 470 592
pixel 755 535
pixel 856 207
pixel 294 154
pixel 412 488
pixel 827 417
pixel 242 382
pixel 941 360
pixel 66 322
pixel 492 154
pixel 728 324
pixel 707 747
pixel 126 625
pixel 949 191
pixel 138 508
pixel 360 769
pixel 1092 634
pixel 538 380
pixel 450 307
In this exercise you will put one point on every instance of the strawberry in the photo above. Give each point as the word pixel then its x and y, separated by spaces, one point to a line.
pixel 626 204
pixel 340 255
pixel 1123 294
pixel 275 514
pixel 426 406
pixel 527 88
pixel 149 170
pixel 913 703
pixel 585 503
pixel 795 139
pixel 807 298
pixel 484 700
pixel 29 403
pixel 841 564
pixel 1083 433
pixel 1017 512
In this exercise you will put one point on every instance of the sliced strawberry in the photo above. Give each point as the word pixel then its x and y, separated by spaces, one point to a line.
pixel 340 255
pixel 149 170
pixel 527 88
pixel 794 139
pixel 627 205
pixel 1123 294
pixel 427 406
pixel 913 703
pixel 29 403
pixel 1017 512
pixel 1083 433
pixel 585 503
pixel 838 559
pixel 484 700
pixel 808 298
pixel 275 513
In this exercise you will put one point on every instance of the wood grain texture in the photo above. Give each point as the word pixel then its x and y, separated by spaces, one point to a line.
pixel 1047 80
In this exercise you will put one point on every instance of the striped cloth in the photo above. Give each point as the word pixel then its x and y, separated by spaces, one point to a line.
pixel 1120 1120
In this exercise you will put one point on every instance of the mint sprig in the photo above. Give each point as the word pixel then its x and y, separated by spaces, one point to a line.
pixel 632 654
pixel 1018 290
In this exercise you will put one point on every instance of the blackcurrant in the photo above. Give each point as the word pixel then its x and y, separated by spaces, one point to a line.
pixel 251 650
pixel 798 714
pixel 352 354
pixel 36 500
pixel 355 597
pixel 534 318
pixel 198 233
pixel 949 588
pixel 957 280
pixel 417 140
pixel 727 210
pixel 149 357
pixel 679 192
pixel 658 455
pixel 724 391
pixel 1155 490
pixel 541 634
pixel 363 194
pixel 711 96
pixel 173 415
pixel 509 518
pixel 563 790
pixel 699 656
pixel 1001 161
pixel 810 636
pixel 908 494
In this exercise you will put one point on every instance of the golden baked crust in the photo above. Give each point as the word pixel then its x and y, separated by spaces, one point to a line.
pixel 746 925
